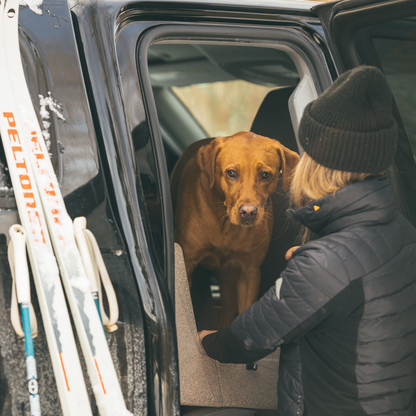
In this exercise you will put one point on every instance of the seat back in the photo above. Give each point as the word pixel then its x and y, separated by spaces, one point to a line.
pixel 273 118
pixel 273 121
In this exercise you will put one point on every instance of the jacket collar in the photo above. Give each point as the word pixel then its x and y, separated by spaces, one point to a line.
pixel 370 201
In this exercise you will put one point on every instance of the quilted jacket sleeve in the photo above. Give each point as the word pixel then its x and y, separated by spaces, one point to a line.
pixel 313 288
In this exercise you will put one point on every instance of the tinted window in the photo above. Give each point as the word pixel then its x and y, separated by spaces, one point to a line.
pixel 392 46
pixel 398 59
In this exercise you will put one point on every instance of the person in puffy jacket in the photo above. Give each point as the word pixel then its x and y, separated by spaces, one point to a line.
pixel 343 312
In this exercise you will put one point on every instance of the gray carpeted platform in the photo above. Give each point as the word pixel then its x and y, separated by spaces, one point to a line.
pixel 206 382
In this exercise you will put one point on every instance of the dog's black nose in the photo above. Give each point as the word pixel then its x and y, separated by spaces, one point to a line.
pixel 248 212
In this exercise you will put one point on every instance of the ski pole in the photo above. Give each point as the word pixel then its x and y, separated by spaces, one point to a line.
pixel 96 272
pixel 20 273
pixel 80 225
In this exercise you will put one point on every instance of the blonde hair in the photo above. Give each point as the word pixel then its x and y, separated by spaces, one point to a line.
pixel 312 181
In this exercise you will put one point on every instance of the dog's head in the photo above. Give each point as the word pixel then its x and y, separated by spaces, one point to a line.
pixel 246 168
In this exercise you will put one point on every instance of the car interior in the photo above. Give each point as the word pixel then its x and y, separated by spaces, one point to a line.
pixel 181 74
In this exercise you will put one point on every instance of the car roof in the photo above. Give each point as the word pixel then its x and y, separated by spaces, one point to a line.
pixel 278 4
pixel 303 5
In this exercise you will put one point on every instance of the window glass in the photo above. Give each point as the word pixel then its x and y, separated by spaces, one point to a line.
pixel 398 59
pixel 392 45
pixel 223 108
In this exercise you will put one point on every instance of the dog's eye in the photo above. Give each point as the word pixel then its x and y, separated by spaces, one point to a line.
pixel 232 174
pixel 265 175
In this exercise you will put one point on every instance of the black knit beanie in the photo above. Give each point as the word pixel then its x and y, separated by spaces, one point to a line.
pixel 350 126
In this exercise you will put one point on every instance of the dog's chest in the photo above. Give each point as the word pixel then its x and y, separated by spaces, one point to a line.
pixel 238 248
pixel 219 259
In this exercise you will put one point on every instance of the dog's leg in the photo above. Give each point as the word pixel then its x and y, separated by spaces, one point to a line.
pixel 227 281
pixel 248 284
pixel 190 267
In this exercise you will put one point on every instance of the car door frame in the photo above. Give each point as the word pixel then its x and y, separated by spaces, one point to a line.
pixel 147 32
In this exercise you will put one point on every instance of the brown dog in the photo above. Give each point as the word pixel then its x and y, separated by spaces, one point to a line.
pixel 221 199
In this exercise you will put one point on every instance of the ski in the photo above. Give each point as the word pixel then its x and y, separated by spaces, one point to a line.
pixel 101 371
pixel 61 343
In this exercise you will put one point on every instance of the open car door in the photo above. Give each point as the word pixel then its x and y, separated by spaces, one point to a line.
pixel 382 34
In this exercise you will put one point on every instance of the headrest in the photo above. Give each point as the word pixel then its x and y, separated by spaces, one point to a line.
pixel 273 118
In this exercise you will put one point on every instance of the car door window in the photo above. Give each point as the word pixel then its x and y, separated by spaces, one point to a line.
pixel 394 49
pixel 398 59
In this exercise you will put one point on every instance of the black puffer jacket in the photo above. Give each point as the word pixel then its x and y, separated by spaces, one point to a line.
pixel 343 311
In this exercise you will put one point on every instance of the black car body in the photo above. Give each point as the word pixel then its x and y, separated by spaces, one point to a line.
pixel 112 65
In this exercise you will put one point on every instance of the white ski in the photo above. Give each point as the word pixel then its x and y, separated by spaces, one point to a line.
pixel 93 342
pixel 61 343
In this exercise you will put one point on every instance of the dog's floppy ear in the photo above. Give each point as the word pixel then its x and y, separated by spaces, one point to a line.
pixel 206 157
pixel 289 162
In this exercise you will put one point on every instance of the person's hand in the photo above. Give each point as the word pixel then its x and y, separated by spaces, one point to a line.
pixel 289 253
pixel 204 333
